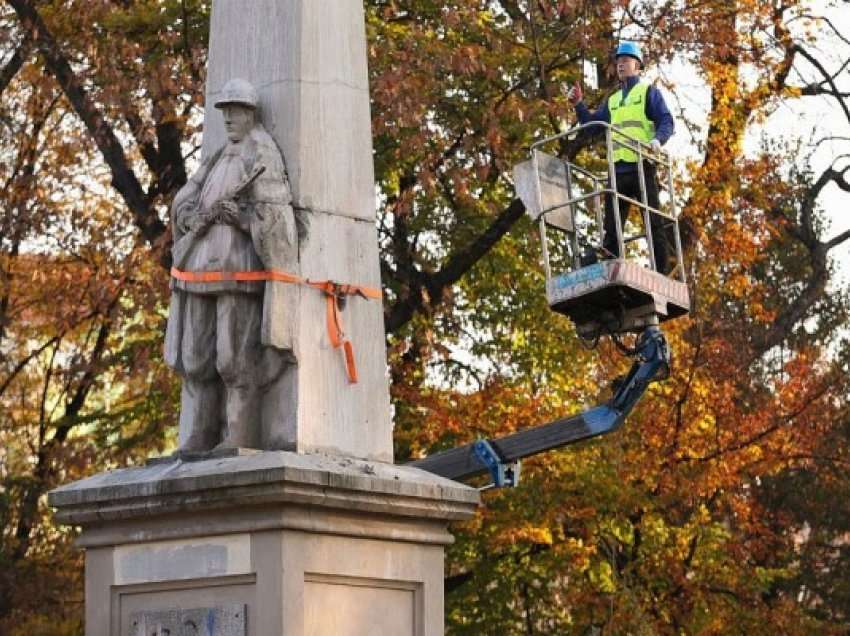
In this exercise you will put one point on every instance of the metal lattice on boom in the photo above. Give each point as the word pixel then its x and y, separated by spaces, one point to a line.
pixel 602 293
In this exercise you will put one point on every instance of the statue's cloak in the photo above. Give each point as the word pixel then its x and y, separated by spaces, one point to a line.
pixel 267 216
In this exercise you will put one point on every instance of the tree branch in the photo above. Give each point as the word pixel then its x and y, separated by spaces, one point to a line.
pixel 26 360
pixel 815 287
pixel 814 90
pixel 11 68
pixel 403 310
pixel 123 177
pixel 827 78
pixel 44 469
pixel 820 18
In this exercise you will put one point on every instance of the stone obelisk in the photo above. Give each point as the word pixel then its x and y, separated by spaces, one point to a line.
pixel 318 534
pixel 307 59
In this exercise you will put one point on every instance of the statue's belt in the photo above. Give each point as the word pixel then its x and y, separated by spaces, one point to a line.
pixel 334 293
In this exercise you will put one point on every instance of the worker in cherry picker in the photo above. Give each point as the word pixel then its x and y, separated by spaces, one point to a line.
pixel 638 108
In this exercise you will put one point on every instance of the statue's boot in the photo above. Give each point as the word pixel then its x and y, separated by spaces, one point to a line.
pixel 200 415
pixel 242 411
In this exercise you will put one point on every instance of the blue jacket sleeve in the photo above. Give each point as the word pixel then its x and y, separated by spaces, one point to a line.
pixel 659 114
pixel 584 114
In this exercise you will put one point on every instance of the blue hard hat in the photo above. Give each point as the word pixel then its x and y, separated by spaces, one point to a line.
pixel 631 49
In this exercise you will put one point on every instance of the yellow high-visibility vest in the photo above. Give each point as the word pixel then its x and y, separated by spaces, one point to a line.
pixel 630 117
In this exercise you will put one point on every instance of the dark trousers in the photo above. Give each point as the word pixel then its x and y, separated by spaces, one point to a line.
pixel 628 184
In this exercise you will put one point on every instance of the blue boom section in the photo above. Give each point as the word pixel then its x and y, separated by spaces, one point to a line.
pixel 652 362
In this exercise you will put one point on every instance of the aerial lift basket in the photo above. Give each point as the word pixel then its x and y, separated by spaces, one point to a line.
pixel 602 294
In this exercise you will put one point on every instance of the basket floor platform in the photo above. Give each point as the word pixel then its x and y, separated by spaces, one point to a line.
pixel 616 296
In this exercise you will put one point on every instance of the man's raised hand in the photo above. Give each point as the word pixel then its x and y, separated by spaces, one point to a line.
pixel 575 94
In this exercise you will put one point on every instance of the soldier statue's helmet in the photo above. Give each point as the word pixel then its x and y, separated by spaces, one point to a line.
pixel 238 91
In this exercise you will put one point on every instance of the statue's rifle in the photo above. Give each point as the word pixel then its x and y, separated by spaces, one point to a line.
pixel 182 246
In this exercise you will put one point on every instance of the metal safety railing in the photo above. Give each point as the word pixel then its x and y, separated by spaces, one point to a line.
pixel 606 186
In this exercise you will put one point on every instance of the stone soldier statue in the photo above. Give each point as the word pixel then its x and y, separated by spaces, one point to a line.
pixel 230 329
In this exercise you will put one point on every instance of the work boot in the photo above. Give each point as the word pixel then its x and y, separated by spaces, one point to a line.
pixel 588 257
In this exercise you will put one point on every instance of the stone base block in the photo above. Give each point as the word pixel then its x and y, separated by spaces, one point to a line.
pixel 264 544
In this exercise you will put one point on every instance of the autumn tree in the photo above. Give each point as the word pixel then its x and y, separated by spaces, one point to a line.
pixel 98 112
pixel 664 527
pixel 688 520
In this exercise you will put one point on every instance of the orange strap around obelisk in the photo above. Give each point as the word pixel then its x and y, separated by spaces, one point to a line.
pixel 334 292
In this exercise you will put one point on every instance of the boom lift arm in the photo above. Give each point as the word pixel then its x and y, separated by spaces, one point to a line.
pixel 500 457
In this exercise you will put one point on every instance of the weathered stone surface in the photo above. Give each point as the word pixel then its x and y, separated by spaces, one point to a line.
pixel 190 456
pixel 300 584
pixel 210 556
pixel 307 59
pixel 310 544
pixel 335 416
pixel 223 620
pixel 346 608
pixel 323 481
pixel 231 340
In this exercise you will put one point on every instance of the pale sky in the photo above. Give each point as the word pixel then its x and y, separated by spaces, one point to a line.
pixel 808 118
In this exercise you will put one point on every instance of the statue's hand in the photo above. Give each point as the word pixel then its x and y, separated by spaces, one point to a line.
pixel 226 211
pixel 187 221
pixel 184 215
pixel 199 222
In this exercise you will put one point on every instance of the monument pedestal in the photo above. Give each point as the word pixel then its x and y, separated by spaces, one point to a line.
pixel 264 544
